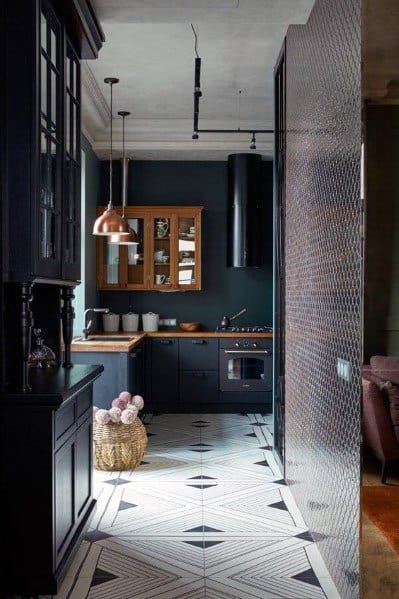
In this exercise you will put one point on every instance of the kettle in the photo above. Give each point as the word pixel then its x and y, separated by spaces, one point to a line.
pixel 225 322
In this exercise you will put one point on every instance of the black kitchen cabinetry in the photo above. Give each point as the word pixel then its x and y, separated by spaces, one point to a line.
pixel 164 373
pixel 43 47
pixel 189 373
pixel 198 387
pixel 47 463
pixel 198 354
pixel 198 371
pixel 45 438
pixel 122 372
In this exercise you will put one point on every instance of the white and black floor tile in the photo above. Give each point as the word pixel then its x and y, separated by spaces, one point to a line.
pixel 206 515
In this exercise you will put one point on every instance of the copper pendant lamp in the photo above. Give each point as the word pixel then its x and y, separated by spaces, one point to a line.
pixel 131 238
pixel 110 221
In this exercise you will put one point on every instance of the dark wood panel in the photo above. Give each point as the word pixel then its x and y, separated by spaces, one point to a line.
pixel 64 495
pixel 198 354
pixel 84 401
pixel 83 475
pixel 64 420
pixel 164 371
pixel 199 387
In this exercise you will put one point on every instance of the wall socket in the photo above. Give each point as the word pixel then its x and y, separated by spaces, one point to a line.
pixel 344 369
pixel 167 322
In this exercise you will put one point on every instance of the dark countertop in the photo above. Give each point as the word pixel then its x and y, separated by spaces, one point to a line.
pixel 53 387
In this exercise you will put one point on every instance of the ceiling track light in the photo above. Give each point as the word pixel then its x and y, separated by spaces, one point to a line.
pixel 197 96
pixel 131 238
pixel 110 221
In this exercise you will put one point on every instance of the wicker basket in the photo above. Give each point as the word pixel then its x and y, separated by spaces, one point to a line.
pixel 119 446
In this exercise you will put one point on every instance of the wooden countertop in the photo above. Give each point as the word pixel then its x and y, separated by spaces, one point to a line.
pixel 108 346
pixel 211 334
pixel 135 338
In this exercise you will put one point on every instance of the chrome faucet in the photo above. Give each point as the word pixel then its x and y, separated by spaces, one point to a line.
pixel 86 330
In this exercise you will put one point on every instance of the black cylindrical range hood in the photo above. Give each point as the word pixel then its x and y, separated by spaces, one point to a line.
pixel 244 218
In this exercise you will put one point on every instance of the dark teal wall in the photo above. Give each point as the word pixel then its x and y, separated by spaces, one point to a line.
pixel 224 290
pixel 93 188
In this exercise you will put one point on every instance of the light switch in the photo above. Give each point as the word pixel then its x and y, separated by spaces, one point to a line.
pixel 167 322
pixel 344 369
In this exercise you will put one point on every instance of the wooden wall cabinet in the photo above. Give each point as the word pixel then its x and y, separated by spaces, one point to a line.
pixel 167 258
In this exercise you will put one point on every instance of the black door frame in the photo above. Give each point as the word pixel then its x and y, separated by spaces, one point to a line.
pixel 279 256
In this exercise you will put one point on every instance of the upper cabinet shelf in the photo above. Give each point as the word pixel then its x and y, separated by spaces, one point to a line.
pixel 168 257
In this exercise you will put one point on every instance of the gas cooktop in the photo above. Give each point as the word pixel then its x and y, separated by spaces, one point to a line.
pixel 247 329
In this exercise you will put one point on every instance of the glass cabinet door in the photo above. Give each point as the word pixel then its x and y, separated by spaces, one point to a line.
pixel 111 263
pixel 72 166
pixel 136 271
pixel 166 258
pixel 161 272
pixel 187 276
pixel 50 141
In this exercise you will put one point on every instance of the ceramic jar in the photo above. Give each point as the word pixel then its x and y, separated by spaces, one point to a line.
pixel 111 322
pixel 130 322
pixel 150 322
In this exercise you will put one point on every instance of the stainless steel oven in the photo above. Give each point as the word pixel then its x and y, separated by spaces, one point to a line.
pixel 246 364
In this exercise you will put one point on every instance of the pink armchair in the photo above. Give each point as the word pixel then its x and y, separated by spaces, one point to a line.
pixel 377 424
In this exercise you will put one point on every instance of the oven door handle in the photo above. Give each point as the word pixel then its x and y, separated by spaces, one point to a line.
pixel 266 352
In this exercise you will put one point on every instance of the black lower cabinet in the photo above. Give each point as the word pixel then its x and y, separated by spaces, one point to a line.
pixel 199 387
pixel 188 373
pixel 64 495
pixel 83 452
pixel 47 463
pixel 164 373
pixel 123 371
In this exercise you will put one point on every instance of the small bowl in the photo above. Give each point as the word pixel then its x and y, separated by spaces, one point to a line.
pixel 190 327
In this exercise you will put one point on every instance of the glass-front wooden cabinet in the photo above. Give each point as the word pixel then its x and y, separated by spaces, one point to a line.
pixel 42 141
pixel 49 237
pixel 167 258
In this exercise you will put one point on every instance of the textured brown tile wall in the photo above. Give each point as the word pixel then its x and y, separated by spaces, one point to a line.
pixel 324 280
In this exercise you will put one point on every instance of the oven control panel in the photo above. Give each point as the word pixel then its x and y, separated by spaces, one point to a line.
pixel 246 344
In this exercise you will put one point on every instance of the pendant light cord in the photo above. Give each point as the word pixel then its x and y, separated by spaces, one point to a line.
pixel 123 155
pixel 124 114
pixel 110 156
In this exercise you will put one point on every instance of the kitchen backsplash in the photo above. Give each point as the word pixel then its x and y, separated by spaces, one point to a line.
pixel 224 290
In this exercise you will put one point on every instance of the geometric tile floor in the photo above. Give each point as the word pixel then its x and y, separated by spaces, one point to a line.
pixel 206 516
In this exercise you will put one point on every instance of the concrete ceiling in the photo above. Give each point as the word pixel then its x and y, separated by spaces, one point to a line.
pixel 150 48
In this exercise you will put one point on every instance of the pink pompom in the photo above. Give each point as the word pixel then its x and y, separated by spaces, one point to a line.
pixel 120 403
pixel 95 409
pixel 128 416
pixel 138 401
pixel 102 416
pixel 115 414
pixel 126 396
pixel 132 407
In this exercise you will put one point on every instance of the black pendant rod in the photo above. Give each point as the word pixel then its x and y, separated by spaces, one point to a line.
pixel 235 130
pixel 198 94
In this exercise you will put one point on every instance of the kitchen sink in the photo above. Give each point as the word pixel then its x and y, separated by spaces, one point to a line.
pixel 104 338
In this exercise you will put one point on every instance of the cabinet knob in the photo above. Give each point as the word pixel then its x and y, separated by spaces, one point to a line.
pixel 237 344
pixel 254 345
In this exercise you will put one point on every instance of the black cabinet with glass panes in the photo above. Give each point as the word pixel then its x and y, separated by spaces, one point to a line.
pixel 43 54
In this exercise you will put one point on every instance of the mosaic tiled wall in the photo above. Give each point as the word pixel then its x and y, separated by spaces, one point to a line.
pixel 324 280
